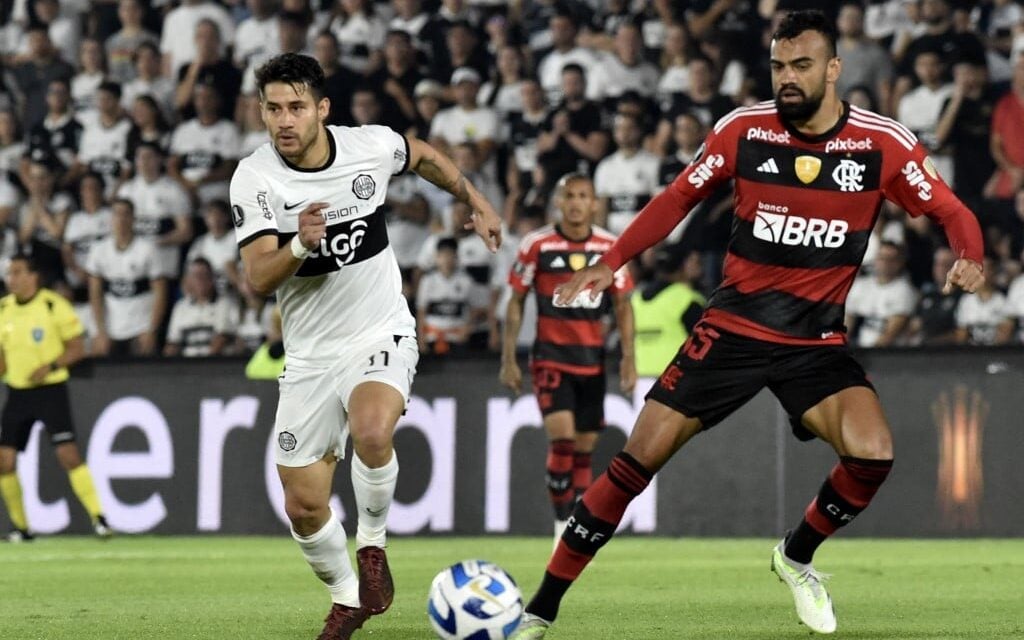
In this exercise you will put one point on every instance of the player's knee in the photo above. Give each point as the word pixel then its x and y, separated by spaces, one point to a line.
pixel 305 515
pixel 875 446
pixel 371 438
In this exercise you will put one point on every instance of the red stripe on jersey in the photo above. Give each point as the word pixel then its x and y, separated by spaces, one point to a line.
pixel 819 285
pixel 568 368
pixel 749 328
pixel 570 332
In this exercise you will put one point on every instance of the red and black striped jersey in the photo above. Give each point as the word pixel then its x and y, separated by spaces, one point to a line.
pixel 804 209
pixel 569 338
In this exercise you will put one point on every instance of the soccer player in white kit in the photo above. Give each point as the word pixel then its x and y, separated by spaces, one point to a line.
pixel 306 216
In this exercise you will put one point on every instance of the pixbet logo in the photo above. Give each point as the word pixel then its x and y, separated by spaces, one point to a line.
pixel 916 178
pixel 848 144
pixel 797 231
pixel 703 172
pixel 767 135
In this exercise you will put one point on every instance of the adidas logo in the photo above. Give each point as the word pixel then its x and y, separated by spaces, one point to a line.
pixel 557 263
pixel 768 166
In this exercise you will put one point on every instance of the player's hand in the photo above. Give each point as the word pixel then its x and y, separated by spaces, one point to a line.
pixel 312 226
pixel 147 343
pixel 966 274
pixel 511 376
pixel 40 374
pixel 627 374
pixel 596 277
pixel 486 223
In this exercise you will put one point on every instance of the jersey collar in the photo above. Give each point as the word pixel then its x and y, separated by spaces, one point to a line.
pixel 590 234
pixel 330 157
pixel 821 137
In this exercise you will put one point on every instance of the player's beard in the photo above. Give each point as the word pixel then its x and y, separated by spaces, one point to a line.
pixel 801 111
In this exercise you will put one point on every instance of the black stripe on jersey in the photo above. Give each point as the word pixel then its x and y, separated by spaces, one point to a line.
pixel 346 243
pixel 748 247
pixel 627 202
pixel 575 354
pixel 774 164
pixel 546 307
pixel 564 262
pixel 781 311
pixel 447 308
pixel 125 288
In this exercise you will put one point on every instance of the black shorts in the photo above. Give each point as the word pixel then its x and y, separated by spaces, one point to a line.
pixel 49 403
pixel 562 391
pixel 715 372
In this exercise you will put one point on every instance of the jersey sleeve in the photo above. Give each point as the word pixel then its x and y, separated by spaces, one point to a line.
pixel 250 206
pixel 394 146
pixel 622 281
pixel 174 328
pixel 915 185
pixel 524 269
pixel 69 326
pixel 714 164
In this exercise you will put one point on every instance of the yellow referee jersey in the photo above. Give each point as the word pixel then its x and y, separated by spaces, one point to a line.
pixel 33 333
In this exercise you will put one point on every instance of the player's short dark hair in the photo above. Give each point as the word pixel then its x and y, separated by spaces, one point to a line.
pixel 30 263
pixel 796 22
pixel 294 69
pixel 447 244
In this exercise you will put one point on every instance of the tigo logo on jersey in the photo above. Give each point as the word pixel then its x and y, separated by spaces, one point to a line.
pixel 767 135
pixel 915 177
pixel 848 144
pixel 796 231
pixel 807 168
pixel 848 175
pixel 343 245
pixel 703 172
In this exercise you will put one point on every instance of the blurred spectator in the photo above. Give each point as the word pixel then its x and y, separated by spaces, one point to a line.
pixel 474 256
pixel 738 19
pixel 434 35
pixel 122 46
pixel 466 121
pixel 675 58
pixel 34 76
pixel 467 160
pixel 524 129
pixel 526 222
pixel 463 51
pixel 12 148
pixel 161 209
pixel 625 70
pixel 1007 143
pixel 701 98
pixel 92 60
pixel 257 317
pixel 428 95
pixel 409 17
pixel 360 31
pixel 338 80
pixel 254 130
pixel 625 180
pixel 920 108
pixel 210 68
pixel 205 149
pixel 984 317
pixel 448 302
pixel 149 82
pixel 503 92
pixel 398 79
pixel 731 78
pixel 965 125
pixel 85 227
pixel 58 134
pixel 64 28
pixel 148 125
pixel 564 52
pixel 537 20
pixel 127 289
pixel 687 135
pixel 41 220
pixel 178 42
pixel 217 246
pixel 572 138
pixel 879 306
pixel 934 321
pixel 104 144
pixel 865 63
pixel 256 39
pixel 666 309
pixel 202 322
pixel 366 106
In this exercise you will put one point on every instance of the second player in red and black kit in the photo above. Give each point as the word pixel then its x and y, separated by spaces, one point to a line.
pixel 567 360
pixel 810 175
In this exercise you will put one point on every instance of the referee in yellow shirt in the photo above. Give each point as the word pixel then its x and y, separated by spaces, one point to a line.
pixel 40 337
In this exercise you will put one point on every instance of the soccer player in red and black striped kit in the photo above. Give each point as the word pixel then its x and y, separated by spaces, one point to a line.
pixel 810 174
pixel 567 362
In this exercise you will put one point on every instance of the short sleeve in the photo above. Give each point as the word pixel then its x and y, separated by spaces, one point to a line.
pixel 525 268
pixel 395 148
pixel 174 328
pixel 68 324
pixel 251 212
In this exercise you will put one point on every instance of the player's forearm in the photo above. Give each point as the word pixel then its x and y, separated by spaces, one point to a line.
pixel 513 323
pixel 436 168
pixel 156 317
pixel 962 230
pixel 269 270
pixel 99 315
pixel 74 351
pixel 653 223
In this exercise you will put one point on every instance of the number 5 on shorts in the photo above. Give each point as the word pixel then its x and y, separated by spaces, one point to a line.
pixel 700 342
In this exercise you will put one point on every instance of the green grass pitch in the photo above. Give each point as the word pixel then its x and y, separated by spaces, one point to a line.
pixel 639 588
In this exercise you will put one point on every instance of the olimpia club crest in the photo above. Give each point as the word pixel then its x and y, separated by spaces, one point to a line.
pixel 364 187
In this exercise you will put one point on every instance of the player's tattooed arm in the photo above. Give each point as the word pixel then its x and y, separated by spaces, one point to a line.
pixel 435 167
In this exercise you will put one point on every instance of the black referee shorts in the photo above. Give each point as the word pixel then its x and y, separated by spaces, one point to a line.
pixel 716 372
pixel 49 403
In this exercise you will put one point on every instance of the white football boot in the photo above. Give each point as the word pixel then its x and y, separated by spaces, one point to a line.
pixel 813 604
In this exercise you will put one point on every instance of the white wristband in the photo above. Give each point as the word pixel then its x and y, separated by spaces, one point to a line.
pixel 299 250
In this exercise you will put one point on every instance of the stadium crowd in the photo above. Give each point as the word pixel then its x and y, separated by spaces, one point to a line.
pixel 121 122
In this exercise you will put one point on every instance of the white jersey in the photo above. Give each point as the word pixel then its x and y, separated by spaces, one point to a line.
pixel 82 231
pixel 104 149
pixel 127 276
pixel 194 324
pixel 875 303
pixel 448 300
pixel 218 252
pixel 157 204
pixel 349 291
pixel 202 148
pixel 982 318
pixel 628 183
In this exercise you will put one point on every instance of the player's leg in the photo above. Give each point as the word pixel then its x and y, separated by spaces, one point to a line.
pixel 15 428
pixel 589 417
pixel 558 471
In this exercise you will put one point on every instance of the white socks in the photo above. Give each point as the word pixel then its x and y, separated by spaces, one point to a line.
pixel 374 489
pixel 327 553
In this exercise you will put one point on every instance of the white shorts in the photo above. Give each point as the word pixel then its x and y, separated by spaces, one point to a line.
pixel 312 419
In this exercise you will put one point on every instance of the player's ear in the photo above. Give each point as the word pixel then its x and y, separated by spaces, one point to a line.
pixel 833 69
pixel 323 108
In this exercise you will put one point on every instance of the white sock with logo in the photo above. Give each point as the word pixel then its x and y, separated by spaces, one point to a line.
pixel 374 489
pixel 326 551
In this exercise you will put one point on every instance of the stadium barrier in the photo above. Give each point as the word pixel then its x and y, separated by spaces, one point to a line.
pixel 180 447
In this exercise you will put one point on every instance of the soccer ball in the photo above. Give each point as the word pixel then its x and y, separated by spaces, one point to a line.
pixel 474 600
